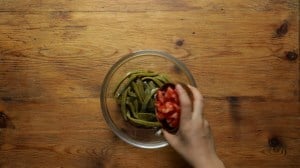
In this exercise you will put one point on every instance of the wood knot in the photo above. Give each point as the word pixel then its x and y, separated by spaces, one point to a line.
pixel 3 118
pixel 276 146
pixel 274 142
pixel 179 42
pixel 290 55
pixel 283 29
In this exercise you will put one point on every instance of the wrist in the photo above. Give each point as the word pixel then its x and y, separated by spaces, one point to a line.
pixel 209 162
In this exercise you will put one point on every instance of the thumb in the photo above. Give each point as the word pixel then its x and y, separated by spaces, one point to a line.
pixel 172 139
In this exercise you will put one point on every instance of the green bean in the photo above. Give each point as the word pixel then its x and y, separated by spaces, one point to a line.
pixel 140 87
pixel 147 99
pixel 149 73
pixel 136 89
pixel 135 95
pixel 123 104
pixel 152 85
pixel 126 77
pixel 147 89
pixel 163 78
pixel 131 94
pixel 130 79
pixel 136 105
pixel 143 123
pixel 132 76
pixel 133 110
pixel 146 116
pixel 158 82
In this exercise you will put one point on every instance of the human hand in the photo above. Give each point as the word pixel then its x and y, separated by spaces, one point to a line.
pixel 194 140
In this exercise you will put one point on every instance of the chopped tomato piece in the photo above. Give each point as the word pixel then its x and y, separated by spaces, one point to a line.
pixel 167 107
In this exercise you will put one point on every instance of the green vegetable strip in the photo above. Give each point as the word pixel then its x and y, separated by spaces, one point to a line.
pixel 123 104
pixel 146 116
pixel 151 107
pixel 152 85
pixel 132 76
pixel 135 95
pixel 130 79
pixel 126 77
pixel 131 94
pixel 163 79
pixel 136 89
pixel 140 87
pixel 132 110
pixel 139 122
pixel 158 82
pixel 136 105
pixel 147 88
pixel 147 99
pixel 118 85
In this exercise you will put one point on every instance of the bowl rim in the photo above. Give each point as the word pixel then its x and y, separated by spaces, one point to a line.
pixel 106 81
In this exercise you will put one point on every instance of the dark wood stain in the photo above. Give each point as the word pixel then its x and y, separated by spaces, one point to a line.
pixel 6 99
pixel 283 29
pixel 276 145
pixel 234 107
pixel 274 142
pixel 3 120
pixel 291 55
pixel 179 42
pixel 100 163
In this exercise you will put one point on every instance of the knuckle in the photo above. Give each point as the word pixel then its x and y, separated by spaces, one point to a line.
pixel 206 124
pixel 184 128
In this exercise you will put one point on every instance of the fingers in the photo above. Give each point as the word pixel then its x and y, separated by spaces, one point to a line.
pixel 206 127
pixel 197 102
pixel 185 105
pixel 207 130
pixel 172 139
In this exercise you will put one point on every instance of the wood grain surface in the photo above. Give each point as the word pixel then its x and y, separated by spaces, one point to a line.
pixel 54 56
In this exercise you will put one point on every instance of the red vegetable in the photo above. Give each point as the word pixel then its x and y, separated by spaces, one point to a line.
pixel 167 107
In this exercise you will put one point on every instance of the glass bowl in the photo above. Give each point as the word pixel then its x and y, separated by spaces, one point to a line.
pixel 155 61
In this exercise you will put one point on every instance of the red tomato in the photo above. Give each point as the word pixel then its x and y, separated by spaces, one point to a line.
pixel 160 96
pixel 167 107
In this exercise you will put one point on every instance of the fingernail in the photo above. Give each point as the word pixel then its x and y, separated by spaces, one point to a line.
pixel 159 132
pixel 178 86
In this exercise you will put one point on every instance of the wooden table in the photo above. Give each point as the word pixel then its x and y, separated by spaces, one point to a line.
pixel 54 55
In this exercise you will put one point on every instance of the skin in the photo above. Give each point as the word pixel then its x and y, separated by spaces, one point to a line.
pixel 194 140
